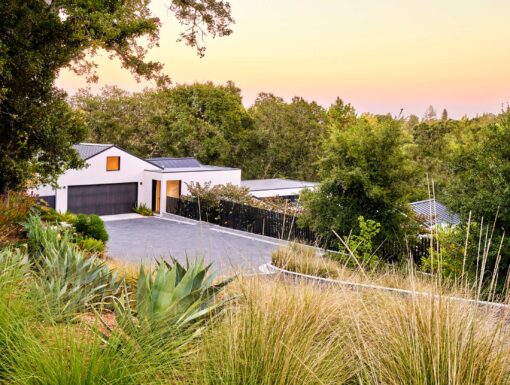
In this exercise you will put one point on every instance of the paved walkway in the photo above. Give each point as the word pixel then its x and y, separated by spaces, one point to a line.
pixel 136 239
pixel 121 217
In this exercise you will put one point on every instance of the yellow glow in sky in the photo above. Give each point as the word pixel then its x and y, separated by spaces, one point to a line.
pixel 379 55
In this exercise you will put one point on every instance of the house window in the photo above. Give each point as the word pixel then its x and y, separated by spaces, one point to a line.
pixel 113 163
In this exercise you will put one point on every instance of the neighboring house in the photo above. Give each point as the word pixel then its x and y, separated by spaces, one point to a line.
pixel 115 181
pixel 432 212
pixel 284 188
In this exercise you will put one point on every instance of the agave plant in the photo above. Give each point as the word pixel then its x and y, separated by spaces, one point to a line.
pixel 174 294
pixel 67 279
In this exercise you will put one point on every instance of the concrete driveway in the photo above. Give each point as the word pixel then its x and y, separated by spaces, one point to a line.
pixel 135 239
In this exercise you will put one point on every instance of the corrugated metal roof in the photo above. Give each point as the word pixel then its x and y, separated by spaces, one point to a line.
pixel 275 184
pixel 88 150
pixel 175 162
pixel 433 212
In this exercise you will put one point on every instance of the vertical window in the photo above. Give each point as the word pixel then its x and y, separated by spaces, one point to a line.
pixel 113 163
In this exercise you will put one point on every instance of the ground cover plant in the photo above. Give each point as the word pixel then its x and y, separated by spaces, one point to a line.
pixel 142 209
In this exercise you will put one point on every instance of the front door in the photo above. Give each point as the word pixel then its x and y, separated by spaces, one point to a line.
pixel 156 195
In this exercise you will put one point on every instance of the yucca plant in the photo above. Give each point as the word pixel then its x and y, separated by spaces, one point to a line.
pixel 66 278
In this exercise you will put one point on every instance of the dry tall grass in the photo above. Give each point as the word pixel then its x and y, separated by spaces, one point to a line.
pixel 305 260
pixel 278 333
pixel 287 332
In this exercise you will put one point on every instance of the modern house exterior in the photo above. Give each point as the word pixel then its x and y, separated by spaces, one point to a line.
pixel 284 188
pixel 115 181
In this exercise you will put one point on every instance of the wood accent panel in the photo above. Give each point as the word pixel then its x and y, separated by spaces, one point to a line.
pixel 112 163
pixel 173 188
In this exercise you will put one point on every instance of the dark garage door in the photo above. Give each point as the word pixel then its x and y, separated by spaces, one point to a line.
pixel 102 199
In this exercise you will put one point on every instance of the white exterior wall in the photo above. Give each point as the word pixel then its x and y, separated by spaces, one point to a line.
pixel 132 169
pixel 44 190
pixel 215 177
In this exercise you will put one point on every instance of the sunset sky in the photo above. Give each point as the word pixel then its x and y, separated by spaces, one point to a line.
pixel 379 55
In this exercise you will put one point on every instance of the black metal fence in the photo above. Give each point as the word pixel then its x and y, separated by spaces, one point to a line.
pixel 243 217
pixel 279 225
pixel 416 248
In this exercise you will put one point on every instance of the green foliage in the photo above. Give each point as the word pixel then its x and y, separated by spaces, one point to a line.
pixel 473 253
pixel 289 136
pixel 142 209
pixel 361 245
pixel 206 121
pixel 14 209
pixel 213 194
pixel 431 149
pixel 480 175
pixel 38 127
pixel 51 215
pixel 75 353
pixel 68 281
pixel 481 172
pixel 365 170
pixel 91 226
pixel 448 261
pixel 15 304
pixel 131 121
pixel 92 246
pixel 175 294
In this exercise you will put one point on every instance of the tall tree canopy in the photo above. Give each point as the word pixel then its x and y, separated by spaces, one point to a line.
pixel 290 135
pixel 364 171
pixel 205 121
pixel 131 121
pixel 480 168
pixel 39 37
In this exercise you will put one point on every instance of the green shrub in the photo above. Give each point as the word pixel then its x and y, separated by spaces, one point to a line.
pixel 91 245
pixel 142 209
pixel 91 226
pixel 358 249
pixel 51 215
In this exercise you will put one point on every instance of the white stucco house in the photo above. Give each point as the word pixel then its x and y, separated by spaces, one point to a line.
pixel 114 181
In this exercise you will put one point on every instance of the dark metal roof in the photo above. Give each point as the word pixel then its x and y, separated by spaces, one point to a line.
pixel 175 162
pixel 433 212
pixel 88 150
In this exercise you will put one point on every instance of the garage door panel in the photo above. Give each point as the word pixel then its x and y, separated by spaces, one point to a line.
pixel 103 199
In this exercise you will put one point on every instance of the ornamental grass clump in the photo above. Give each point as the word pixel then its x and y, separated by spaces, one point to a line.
pixel 278 334
pixel 425 340
pixel 304 259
